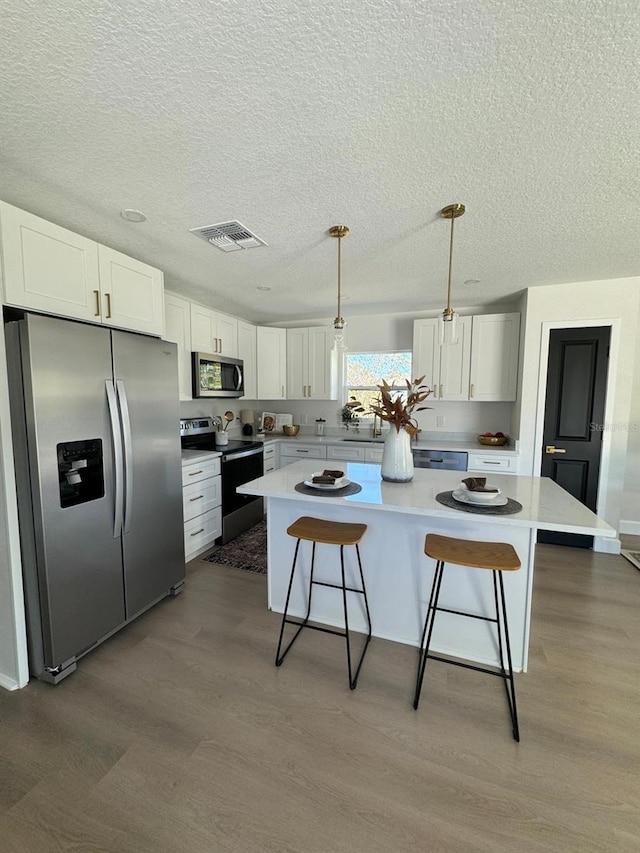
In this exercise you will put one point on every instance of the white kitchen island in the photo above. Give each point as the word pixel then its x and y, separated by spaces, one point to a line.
pixel 397 572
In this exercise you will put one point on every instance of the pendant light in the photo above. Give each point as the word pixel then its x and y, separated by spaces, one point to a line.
pixel 448 318
pixel 339 231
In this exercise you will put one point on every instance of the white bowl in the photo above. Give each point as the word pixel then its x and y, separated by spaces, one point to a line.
pixel 479 497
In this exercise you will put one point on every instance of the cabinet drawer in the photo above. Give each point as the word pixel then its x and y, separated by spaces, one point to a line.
pixel 269 451
pixel 200 497
pixel 346 454
pixel 269 466
pixel 304 451
pixel 373 454
pixel 196 471
pixel 492 462
pixel 201 532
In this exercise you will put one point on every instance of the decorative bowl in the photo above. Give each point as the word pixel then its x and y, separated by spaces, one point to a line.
pixel 493 441
pixel 291 429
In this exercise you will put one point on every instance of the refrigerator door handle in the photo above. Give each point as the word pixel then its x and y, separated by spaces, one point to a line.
pixel 117 457
pixel 128 453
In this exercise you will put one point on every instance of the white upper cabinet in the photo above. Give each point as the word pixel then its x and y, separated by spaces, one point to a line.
pixel 482 365
pixel 445 367
pixel 311 364
pixel 48 268
pixel 212 332
pixel 132 293
pixel 247 341
pixel 494 357
pixel 177 328
pixel 272 363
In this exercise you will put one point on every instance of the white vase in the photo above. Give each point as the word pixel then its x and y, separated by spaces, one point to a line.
pixel 397 458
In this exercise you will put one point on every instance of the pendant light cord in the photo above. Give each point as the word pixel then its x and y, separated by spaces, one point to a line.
pixel 450 266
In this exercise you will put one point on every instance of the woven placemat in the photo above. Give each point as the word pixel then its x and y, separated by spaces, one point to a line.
pixel 349 489
pixel 511 506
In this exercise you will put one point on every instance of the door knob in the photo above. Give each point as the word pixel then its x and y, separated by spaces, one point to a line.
pixel 550 448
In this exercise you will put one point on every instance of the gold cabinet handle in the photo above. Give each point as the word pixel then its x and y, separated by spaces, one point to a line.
pixel 309 394
pixel 473 390
pixel 550 448
pixel 220 342
pixel 97 295
pixel 304 390
pixel 440 394
pixel 282 390
pixel 108 295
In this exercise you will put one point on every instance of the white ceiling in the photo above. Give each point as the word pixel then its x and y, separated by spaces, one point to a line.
pixel 292 116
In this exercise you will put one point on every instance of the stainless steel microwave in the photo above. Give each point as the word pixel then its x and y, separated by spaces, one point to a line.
pixel 217 375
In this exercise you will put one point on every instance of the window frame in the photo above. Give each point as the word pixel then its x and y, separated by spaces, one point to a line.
pixel 349 390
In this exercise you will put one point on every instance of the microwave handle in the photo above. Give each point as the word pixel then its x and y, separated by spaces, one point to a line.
pixel 239 372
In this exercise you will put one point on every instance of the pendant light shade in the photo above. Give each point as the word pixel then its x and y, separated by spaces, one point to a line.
pixel 339 231
pixel 448 318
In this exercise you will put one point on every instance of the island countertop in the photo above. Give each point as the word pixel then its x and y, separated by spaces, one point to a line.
pixel 545 505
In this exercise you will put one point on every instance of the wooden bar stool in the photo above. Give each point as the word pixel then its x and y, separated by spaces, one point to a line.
pixel 498 557
pixel 317 530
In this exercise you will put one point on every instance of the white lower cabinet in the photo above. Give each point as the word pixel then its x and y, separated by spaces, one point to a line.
pixel 270 456
pixel 356 453
pixel 498 463
pixel 201 503
pixel 294 452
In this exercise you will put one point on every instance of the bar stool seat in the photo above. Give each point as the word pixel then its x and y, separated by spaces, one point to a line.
pixel 342 534
pixel 497 557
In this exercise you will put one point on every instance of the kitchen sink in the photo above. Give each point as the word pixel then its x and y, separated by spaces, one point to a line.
pixel 365 440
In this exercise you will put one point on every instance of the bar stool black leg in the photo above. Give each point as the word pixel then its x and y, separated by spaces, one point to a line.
pixel 281 657
pixel 353 679
pixel 507 673
pixel 428 623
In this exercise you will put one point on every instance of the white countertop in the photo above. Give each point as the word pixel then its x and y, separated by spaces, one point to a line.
pixel 545 505
pixel 421 444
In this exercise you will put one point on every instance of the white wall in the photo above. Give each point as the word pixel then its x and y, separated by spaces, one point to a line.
pixel 14 668
pixel 616 300
pixel 630 511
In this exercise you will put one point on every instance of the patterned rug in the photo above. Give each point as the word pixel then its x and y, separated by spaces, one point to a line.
pixel 248 551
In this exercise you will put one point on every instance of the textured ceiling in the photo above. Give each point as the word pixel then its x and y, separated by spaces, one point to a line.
pixel 293 116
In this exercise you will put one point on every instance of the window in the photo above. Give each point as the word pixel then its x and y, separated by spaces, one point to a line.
pixel 364 371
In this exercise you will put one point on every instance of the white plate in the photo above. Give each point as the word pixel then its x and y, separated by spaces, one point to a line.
pixel 463 496
pixel 326 487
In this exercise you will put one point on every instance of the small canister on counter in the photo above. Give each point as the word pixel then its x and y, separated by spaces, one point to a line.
pixel 320 422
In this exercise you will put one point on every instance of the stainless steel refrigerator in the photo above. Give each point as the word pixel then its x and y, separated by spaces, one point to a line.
pixel 95 417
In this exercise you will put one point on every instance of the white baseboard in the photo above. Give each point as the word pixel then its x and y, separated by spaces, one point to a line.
pixel 9 683
pixel 631 527
pixel 605 545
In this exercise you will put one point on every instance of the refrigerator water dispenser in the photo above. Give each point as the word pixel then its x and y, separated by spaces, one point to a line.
pixel 80 471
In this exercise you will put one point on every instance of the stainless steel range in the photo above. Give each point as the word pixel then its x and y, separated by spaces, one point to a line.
pixel 242 461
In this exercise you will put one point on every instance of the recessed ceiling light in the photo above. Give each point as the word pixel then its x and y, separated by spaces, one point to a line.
pixel 472 281
pixel 133 215
pixel 263 288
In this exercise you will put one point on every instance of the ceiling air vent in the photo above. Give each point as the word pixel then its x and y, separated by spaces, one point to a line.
pixel 228 236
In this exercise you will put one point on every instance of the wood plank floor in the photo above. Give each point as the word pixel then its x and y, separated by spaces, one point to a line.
pixel 179 735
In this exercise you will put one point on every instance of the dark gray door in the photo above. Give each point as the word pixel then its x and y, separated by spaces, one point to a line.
pixel 573 418
pixel 146 374
pixel 75 559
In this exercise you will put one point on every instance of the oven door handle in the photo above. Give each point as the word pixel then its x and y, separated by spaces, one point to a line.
pixel 229 457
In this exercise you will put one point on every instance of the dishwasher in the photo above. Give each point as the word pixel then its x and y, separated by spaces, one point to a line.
pixel 447 460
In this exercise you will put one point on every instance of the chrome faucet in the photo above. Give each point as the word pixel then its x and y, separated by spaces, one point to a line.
pixel 376 429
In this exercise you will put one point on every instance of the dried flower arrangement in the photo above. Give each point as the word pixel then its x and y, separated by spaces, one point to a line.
pixel 399 412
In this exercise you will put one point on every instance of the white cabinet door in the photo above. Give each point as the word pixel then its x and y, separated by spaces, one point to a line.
pixel 445 367
pixel 272 363
pixel 47 268
pixel 177 328
pixel 247 352
pixel 495 342
pixel 227 334
pixel 322 365
pixel 297 363
pixel 426 352
pixel 132 293
pixel 455 363
pixel 203 329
